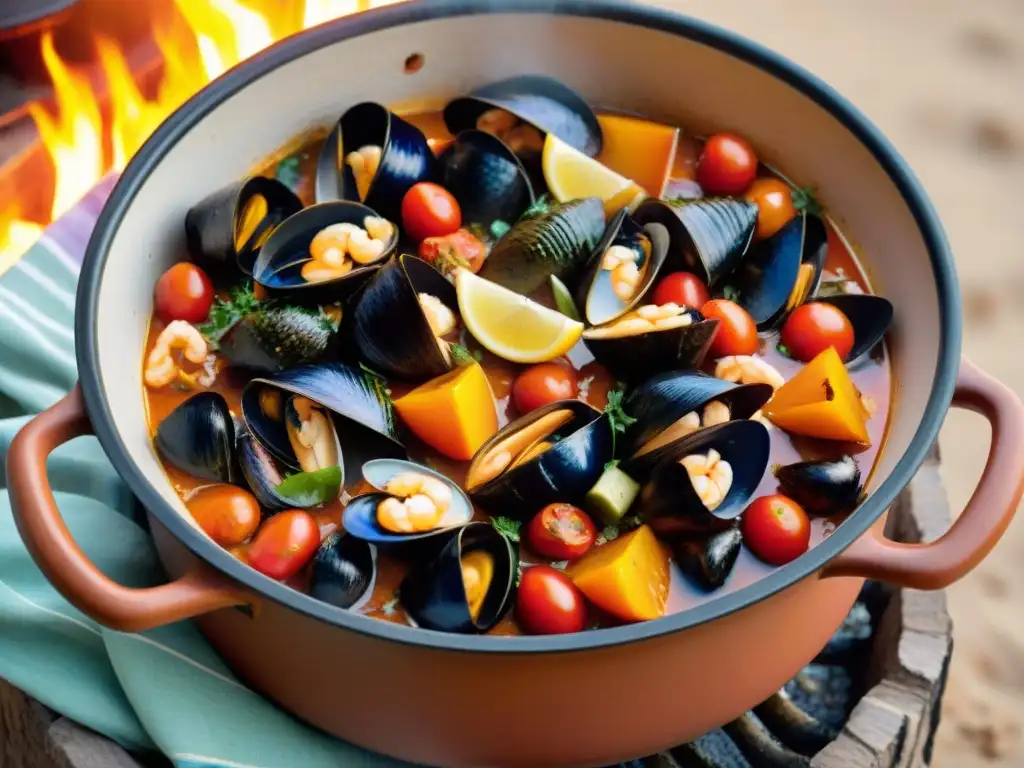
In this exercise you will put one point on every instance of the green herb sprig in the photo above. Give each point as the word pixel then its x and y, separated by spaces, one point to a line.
pixel 226 313
pixel 507 527
pixel 617 417
pixel 804 200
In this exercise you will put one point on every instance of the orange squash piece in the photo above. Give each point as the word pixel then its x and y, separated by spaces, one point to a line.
pixel 454 413
pixel 638 149
pixel 820 401
pixel 627 577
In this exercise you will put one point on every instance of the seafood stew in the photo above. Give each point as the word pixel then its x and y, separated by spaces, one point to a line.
pixel 516 366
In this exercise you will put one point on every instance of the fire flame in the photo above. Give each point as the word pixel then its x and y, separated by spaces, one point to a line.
pixel 201 41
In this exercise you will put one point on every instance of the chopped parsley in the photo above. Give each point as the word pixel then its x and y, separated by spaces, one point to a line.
pixel 731 292
pixel 226 313
pixel 461 355
pixel 289 173
pixel 542 205
pixel 617 417
pixel 499 228
pixel 610 532
pixel 804 200
pixel 783 349
pixel 609 466
pixel 330 317
pixel 507 527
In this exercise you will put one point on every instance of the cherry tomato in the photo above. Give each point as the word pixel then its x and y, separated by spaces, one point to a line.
pixel 682 288
pixel 284 544
pixel 776 529
pixel 459 249
pixel 727 165
pixel 812 328
pixel 184 292
pixel 548 603
pixel 542 384
pixel 737 331
pixel 560 532
pixel 429 210
pixel 775 208
pixel 227 513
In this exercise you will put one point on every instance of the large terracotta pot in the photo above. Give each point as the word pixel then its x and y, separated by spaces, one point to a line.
pixel 587 699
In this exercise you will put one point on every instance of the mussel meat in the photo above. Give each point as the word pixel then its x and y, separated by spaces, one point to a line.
pixel 708 236
pixel 198 437
pixel 822 487
pixel 344 571
pixel 226 230
pixel 552 454
pixel 467 586
pixel 709 561
pixel 273 338
pixel 399 319
pixel 373 156
pixel 869 315
pixel 414 502
pixel 324 252
pixel 556 242
pixel 652 339
pixel 705 480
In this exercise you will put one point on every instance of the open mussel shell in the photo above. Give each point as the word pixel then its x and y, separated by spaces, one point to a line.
pixel 225 230
pixel 822 487
pixel 261 473
pixel 546 104
pixel 486 179
pixel 659 403
pixel 708 237
pixel 198 437
pixel 869 315
pixel 668 501
pixel 708 561
pixel 562 471
pixel 279 266
pixel 596 294
pixel 344 571
pixel 360 517
pixel 387 327
pixel 638 356
pixel 360 407
pixel 434 592
pixel 557 242
pixel 406 159
pixel 770 280
pixel 277 337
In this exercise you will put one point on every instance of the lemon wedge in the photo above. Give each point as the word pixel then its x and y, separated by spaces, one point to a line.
pixel 512 326
pixel 571 175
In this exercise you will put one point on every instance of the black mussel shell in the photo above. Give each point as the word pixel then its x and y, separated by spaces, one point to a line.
pixel 595 295
pixel 562 473
pixel 822 487
pixel 709 561
pixel 279 266
pixel 639 356
pixel 758 745
pixel 661 401
pixel 434 595
pixel 668 501
pixel 557 242
pixel 363 416
pixel 870 316
pixel 344 571
pixel 278 337
pixel 545 103
pixel 486 179
pixel 767 276
pixel 198 437
pixel 261 473
pixel 708 236
pixel 406 159
pixel 794 727
pixel 387 328
pixel 213 227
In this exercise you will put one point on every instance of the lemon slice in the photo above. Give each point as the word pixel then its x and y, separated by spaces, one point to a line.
pixel 512 326
pixel 571 175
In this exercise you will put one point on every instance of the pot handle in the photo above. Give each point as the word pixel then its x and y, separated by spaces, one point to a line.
pixel 65 565
pixel 985 518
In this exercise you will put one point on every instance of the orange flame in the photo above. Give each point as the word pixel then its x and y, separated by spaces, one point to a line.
pixel 204 39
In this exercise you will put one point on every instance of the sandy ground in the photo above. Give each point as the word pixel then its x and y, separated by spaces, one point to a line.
pixel 944 79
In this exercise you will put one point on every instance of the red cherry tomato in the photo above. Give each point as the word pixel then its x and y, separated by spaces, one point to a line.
pixel 682 288
pixel 812 328
pixel 737 331
pixel 228 514
pixel 548 603
pixel 448 252
pixel 429 210
pixel 776 529
pixel 775 208
pixel 727 165
pixel 542 384
pixel 183 292
pixel 560 532
pixel 284 544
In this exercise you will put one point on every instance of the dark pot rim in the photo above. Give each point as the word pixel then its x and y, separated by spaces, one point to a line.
pixel 210 98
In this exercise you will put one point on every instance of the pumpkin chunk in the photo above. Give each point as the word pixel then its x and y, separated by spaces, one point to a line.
pixel 638 149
